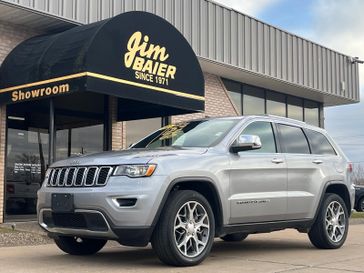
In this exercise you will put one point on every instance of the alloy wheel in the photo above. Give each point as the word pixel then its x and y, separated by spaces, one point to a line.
pixel 191 229
pixel 335 221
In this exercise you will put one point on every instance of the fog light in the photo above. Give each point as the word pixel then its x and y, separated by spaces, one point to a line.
pixel 126 202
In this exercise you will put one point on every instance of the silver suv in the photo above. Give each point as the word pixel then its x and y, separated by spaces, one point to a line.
pixel 186 184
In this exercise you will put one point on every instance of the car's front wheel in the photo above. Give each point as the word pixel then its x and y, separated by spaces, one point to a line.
pixel 331 226
pixel 185 232
pixel 78 245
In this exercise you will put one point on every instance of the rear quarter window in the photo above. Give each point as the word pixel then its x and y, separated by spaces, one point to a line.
pixel 319 143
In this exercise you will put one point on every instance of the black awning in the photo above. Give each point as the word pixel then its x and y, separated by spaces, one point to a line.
pixel 136 56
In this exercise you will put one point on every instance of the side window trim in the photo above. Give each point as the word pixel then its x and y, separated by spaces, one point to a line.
pixel 277 139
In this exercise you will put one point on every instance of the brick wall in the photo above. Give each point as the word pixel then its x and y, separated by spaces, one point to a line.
pixel 10 36
pixel 218 102
pixel 118 139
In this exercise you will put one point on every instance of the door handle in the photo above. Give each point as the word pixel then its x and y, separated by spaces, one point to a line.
pixel 317 161
pixel 277 160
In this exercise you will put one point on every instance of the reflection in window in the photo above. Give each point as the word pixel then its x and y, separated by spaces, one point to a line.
pixel 265 132
pixel 312 112
pixel 79 141
pixel 138 129
pixel 276 104
pixel 293 140
pixel 319 143
pixel 253 101
pixel 295 108
pixel 234 91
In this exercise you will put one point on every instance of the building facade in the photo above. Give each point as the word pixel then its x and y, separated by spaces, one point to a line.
pixel 249 67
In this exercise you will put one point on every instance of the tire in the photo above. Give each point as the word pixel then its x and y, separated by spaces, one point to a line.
pixel 360 206
pixel 79 246
pixel 234 237
pixel 328 235
pixel 175 226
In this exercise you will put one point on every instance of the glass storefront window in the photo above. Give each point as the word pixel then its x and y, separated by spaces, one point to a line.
pixel 253 101
pixel 27 156
pixel 276 104
pixel 295 108
pixel 138 129
pixel 312 115
pixel 234 91
pixel 79 141
pixel 258 101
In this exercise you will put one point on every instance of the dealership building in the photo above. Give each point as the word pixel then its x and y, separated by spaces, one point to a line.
pixel 85 76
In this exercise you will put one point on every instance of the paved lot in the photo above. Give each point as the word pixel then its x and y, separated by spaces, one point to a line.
pixel 284 251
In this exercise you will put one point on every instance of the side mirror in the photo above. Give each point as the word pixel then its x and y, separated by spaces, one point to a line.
pixel 246 143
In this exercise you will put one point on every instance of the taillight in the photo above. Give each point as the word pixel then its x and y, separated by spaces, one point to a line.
pixel 10 188
pixel 349 167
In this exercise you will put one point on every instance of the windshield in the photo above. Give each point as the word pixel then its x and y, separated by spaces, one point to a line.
pixel 201 133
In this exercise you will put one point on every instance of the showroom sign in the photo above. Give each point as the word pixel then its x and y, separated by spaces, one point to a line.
pixel 136 56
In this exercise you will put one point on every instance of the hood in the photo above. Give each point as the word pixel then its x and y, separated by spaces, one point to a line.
pixel 130 156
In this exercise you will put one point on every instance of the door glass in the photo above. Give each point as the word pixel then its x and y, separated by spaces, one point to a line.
pixel 79 123
pixel 293 140
pixel 139 129
pixel 263 130
pixel 27 156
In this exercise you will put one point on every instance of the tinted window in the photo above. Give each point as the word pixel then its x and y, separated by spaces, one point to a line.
pixel 293 140
pixel 319 143
pixel 312 113
pixel 265 132
pixel 276 104
pixel 253 101
pixel 295 108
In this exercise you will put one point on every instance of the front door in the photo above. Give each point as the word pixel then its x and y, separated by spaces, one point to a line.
pixel 26 157
pixel 258 180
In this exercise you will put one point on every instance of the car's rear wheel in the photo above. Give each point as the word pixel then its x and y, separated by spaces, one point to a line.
pixel 185 232
pixel 234 237
pixel 360 206
pixel 331 226
pixel 78 245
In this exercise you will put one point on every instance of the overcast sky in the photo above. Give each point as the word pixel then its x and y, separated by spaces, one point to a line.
pixel 337 24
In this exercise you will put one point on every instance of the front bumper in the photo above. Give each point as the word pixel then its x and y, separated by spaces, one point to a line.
pixel 130 225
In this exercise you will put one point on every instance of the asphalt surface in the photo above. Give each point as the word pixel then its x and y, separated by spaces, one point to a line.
pixel 284 251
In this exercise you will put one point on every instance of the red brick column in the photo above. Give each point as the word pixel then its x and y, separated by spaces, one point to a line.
pixel 117 127
pixel 217 104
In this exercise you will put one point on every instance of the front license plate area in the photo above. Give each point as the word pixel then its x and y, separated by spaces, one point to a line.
pixel 62 202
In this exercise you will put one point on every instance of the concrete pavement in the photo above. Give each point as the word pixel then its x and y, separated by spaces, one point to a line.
pixel 284 251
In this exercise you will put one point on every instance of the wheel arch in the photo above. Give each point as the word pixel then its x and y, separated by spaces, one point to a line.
pixel 341 190
pixel 203 185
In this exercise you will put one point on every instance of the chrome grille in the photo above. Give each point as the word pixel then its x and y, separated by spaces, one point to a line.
pixel 93 176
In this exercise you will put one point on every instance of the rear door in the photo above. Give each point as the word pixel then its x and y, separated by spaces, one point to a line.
pixel 258 179
pixel 304 171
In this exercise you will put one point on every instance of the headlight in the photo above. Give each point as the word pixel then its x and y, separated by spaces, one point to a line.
pixel 135 170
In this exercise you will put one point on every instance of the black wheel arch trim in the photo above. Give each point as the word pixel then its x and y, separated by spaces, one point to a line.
pixel 201 179
pixel 328 184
